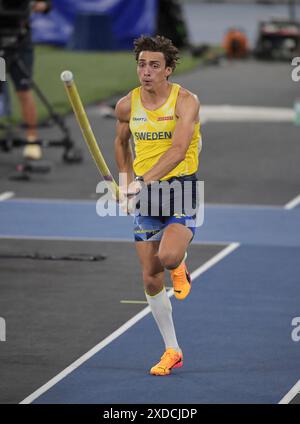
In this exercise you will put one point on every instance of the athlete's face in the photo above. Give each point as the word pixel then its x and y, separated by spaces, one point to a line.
pixel 152 69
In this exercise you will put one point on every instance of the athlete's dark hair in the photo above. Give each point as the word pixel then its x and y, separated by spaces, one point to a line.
pixel 157 44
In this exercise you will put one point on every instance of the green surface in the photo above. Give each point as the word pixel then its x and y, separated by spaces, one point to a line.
pixel 98 75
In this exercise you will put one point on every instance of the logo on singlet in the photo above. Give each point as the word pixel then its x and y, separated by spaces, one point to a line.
pixel 165 118
pixel 139 119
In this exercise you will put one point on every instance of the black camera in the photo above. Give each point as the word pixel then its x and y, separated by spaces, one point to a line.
pixel 14 16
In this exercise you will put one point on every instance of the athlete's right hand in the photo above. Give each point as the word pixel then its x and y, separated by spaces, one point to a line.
pixel 126 200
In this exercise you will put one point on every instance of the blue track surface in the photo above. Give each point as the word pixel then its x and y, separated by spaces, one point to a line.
pixel 271 226
pixel 235 328
pixel 235 331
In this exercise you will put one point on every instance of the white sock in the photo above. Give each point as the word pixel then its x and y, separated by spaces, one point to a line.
pixel 161 308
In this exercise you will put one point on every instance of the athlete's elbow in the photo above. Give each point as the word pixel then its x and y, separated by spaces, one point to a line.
pixel 179 155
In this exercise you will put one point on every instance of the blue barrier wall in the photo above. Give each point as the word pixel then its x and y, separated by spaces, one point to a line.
pixel 128 18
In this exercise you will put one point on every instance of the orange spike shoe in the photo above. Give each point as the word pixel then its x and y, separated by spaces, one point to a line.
pixel 181 281
pixel 170 359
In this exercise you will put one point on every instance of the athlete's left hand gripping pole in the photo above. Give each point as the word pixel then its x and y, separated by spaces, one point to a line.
pixel 82 119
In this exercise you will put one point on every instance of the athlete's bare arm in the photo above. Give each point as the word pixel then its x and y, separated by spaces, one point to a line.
pixel 123 151
pixel 187 112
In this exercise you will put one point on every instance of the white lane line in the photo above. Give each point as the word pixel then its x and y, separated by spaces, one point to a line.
pixel 291 394
pixel 104 239
pixel 219 256
pixel 229 113
pixel 6 195
pixel 55 200
pixel 135 302
pixel 93 202
pixel 224 113
pixel 293 203
pixel 215 259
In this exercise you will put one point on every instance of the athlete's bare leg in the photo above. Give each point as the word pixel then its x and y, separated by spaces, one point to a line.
pixel 173 245
pixel 29 114
pixel 153 271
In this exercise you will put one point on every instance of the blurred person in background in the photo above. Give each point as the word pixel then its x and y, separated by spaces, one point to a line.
pixel 23 53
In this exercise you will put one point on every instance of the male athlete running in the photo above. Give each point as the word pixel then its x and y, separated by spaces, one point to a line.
pixel 163 120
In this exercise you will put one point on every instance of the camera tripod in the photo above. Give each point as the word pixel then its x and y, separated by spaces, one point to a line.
pixel 71 154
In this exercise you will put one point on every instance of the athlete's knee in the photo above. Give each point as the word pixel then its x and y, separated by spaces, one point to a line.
pixel 169 260
pixel 152 283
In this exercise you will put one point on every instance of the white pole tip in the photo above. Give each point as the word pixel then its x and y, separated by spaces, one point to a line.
pixel 66 76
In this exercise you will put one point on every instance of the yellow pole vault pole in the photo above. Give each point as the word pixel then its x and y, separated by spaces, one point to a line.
pixel 87 132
